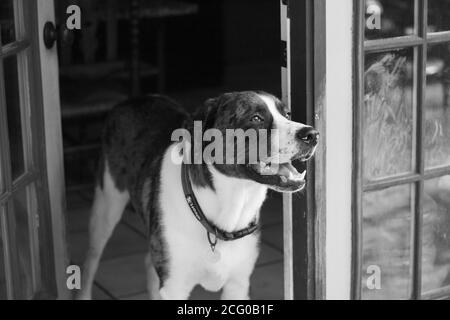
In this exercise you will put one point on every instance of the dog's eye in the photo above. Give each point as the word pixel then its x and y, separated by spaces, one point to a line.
pixel 288 115
pixel 257 119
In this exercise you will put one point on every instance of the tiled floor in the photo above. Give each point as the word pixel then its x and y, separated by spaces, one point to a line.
pixel 121 274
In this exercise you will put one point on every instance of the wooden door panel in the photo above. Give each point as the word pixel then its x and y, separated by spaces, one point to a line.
pixel 32 249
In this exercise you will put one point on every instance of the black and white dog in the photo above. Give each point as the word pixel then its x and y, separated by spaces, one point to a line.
pixel 202 219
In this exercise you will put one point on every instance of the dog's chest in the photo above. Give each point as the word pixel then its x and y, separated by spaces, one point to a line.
pixel 188 248
pixel 214 271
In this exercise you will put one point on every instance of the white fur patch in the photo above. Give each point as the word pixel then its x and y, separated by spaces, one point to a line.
pixel 234 205
pixel 283 138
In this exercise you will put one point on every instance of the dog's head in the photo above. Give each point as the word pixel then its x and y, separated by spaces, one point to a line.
pixel 277 141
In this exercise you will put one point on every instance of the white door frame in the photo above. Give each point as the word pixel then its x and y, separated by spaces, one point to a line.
pixel 339 141
pixel 49 79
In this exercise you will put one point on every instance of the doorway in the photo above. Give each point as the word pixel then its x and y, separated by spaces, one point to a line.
pixel 199 50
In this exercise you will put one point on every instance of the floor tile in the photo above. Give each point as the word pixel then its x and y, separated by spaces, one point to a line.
pixel 123 276
pixel 99 294
pixel 268 254
pixel 267 283
pixel 124 241
pixel 136 296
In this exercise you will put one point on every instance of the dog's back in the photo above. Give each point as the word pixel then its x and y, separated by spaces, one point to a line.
pixel 136 133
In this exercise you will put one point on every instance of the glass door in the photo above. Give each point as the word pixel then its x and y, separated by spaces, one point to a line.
pixel 26 249
pixel 402 150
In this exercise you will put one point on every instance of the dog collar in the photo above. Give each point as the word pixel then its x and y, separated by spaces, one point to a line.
pixel 211 229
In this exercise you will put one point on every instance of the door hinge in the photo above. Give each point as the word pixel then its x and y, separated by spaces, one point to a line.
pixel 283 54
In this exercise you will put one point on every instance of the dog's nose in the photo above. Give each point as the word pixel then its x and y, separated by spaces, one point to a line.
pixel 308 135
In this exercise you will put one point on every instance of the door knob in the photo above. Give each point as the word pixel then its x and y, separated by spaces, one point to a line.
pixel 50 35
pixel 53 34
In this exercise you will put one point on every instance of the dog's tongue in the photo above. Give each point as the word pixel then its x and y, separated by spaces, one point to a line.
pixel 288 170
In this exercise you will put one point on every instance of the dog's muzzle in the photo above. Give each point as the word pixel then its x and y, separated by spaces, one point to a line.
pixel 284 176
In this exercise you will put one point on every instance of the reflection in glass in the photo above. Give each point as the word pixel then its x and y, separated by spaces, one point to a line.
pixel 7 30
pixel 436 235
pixel 388 115
pixel 11 78
pixel 438 15
pixel 2 264
pixel 386 242
pixel 396 18
pixel 437 100
pixel 21 209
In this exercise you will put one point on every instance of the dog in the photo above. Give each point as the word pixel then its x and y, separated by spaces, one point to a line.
pixel 202 219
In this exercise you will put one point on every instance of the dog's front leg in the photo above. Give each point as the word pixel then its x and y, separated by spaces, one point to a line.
pixel 236 288
pixel 177 287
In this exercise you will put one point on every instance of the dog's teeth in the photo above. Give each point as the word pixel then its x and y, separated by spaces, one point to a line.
pixel 284 179
pixel 291 176
pixel 303 175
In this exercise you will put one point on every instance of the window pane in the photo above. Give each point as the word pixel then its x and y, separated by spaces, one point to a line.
pixel 438 15
pixel 7 30
pixel 437 113
pixel 14 115
pixel 396 18
pixel 386 242
pixel 2 264
pixel 388 123
pixel 436 235
pixel 21 208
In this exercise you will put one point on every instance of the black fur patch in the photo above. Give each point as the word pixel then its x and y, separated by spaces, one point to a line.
pixel 136 135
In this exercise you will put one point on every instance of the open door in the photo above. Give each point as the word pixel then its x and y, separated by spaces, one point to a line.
pixel 303 70
pixel 32 246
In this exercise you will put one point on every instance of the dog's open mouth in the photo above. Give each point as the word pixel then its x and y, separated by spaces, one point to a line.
pixel 286 171
pixel 280 176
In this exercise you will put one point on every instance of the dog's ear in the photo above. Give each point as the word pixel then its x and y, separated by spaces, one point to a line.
pixel 207 113
pixel 206 116
pixel 213 106
pixel 210 109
